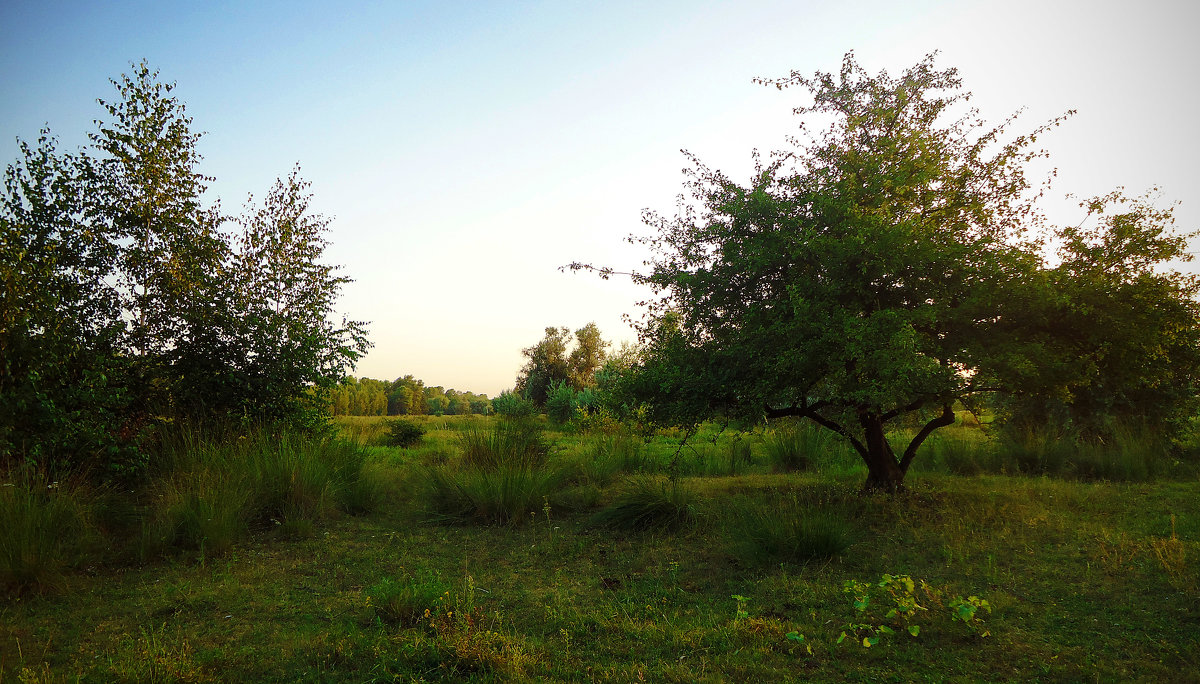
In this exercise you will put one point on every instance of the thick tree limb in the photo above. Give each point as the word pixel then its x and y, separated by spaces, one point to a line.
pixel 947 418
pixel 810 412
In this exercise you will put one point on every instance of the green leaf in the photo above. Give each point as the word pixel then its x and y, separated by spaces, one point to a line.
pixel 914 629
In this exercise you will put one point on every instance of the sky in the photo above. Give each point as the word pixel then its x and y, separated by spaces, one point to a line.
pixel 465 151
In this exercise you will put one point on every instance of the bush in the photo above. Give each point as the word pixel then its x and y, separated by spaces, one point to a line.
pixel 512 405
pixel 403 433
pixel 784 532
pixel 647 503
pixel 561 403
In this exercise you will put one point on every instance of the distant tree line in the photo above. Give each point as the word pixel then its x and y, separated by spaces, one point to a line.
pixel 404 396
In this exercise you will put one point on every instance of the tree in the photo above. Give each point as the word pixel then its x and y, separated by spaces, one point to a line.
pixel 123 300
pixel 1122 329
pixel 883 268
pixel 549 363
pixel 60 323
pixel 587 357
pixel 285 298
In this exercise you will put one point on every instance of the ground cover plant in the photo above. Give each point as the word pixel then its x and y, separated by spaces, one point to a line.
pixel 1084 580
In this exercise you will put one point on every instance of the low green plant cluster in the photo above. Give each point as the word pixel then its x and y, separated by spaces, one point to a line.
pixel 893 605
pixel 648 502
pixel 403 433
pixel 502 476
pixel 204 493
pixel 512 405
pixel 784 530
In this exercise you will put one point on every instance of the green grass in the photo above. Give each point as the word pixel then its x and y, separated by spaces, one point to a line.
pixel 1087 580
pixel 46 528
pixel 648 503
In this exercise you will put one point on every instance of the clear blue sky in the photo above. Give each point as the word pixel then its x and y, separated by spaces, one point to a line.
pixel 467 150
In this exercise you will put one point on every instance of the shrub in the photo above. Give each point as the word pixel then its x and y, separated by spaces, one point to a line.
pixel 403 433
pixel 561 402
pixel 647 503
pixel 786 531
pixel 512 405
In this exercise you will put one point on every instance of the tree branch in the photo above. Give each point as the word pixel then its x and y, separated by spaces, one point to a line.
pixel 810 412
pixel 947 418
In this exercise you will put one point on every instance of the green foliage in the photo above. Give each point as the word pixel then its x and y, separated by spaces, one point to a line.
pixel 508 494
pixel 886 267
pixel 1126 454
pixel 410 602
pixel 403 433
pixel 62 379
pixel 124 301
pixel 966 611
pixel 502 477
pixel 608 455
pixel 784 531
pixel 48 527
pixel 550 366
pixel 646 503
pixel 209 489
pixel 561 403
pixel 509 443
pixel 513 405
pixel 894 596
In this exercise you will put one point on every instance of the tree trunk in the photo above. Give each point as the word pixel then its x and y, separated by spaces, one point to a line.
pixel 883 471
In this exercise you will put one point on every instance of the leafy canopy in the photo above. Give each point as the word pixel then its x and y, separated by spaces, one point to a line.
pixel 886 265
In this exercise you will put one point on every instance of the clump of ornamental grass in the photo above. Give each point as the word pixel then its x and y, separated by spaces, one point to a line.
pixel 609 455
pixel 408 602
pixel 46 528
pixel 211 488
pixel 646 503
pixel 501 479
pixel 783 531
pixel 507 495
pixel 509 443
pixel 1121 453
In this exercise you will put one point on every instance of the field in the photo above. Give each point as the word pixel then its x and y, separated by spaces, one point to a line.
pixel 614 558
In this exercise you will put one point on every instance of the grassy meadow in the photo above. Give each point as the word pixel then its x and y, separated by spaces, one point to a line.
pixel 494 551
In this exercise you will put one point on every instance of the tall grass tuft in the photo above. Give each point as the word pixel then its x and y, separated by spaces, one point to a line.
pixel 508 495
pixel 501 479
pixel 211 488
pixel 617 453
pixel 784 531
pixel 47 528
pixel 645 503
pixel 1125 453
pixel 509 443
